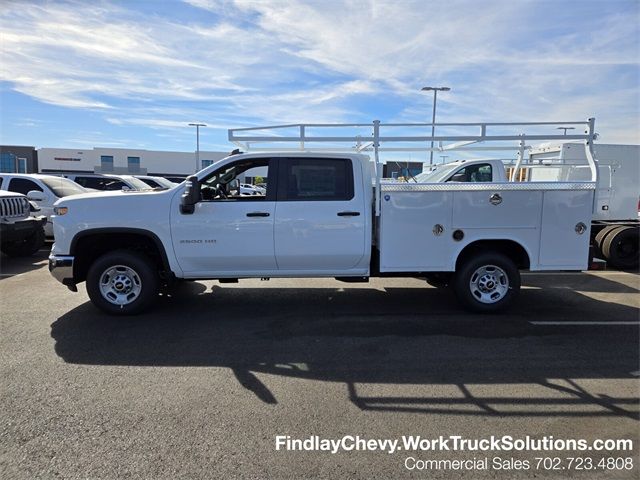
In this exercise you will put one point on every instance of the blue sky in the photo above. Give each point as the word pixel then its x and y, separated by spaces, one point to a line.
pixel 134 73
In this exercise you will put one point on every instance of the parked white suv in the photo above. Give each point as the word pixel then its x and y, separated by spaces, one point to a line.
pixel 44 190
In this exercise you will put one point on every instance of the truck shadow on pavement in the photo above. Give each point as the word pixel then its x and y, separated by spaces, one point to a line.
pixel 391 336
pixel 10 266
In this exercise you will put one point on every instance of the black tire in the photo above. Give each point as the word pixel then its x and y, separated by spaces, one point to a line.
pixel 621 247
pixel 26 247
pixel 600 238
pixel 133 277
pixel 501 282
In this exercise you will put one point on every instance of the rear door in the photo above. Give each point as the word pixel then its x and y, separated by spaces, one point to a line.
pixel 320 215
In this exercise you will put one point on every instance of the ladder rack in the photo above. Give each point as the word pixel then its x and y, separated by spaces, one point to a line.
pixel 370 137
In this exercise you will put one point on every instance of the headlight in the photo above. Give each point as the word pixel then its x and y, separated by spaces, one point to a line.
pixel 60 210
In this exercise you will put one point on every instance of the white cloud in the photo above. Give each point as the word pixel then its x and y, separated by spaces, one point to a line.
pixel 251 61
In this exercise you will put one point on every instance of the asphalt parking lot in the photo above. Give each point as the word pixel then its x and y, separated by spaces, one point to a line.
pixel 201 386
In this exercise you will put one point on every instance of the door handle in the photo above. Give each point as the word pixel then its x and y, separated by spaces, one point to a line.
pixel 348 214
pixel 258 214
pixel 495 199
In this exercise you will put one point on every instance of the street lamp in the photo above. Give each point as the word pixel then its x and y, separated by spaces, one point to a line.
pixel 565 129
pixel 433 118
pixel 197 125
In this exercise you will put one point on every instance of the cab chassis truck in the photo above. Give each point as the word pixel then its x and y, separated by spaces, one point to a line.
pixel 327 214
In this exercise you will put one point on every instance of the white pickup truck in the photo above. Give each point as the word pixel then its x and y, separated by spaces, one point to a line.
pixel 323 215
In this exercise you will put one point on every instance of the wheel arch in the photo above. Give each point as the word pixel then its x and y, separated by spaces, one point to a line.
pixel 511 248
pixel 89 244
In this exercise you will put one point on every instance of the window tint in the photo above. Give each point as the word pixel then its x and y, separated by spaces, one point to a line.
pixel 232 182
pixel 473 173
pixel 100 183
pixel 317 179
pixel 23 185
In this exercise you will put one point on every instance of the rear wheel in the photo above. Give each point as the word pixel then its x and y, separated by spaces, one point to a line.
pixel 487 283
pixel 600 238
pixel 122 283
pixel 620 247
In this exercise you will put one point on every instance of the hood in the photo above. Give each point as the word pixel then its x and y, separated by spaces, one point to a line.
pixel 112 195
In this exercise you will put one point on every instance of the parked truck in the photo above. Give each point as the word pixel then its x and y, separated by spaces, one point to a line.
pixel 615 224
pixel 325 214
pixel 21 233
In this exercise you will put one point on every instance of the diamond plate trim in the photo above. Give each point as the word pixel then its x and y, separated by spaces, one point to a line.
pixel 493 187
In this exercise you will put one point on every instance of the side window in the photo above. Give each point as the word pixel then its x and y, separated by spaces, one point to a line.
pixel 23 185
pixel 87 182
pixel 100 183
pixel 237 182
pixel 473 174
pixel 112 184
pixel 317 179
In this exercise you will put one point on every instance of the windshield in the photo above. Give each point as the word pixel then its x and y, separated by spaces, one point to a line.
pixel 438 175
pixel 136 183
pixel 163 182
pixel 63 187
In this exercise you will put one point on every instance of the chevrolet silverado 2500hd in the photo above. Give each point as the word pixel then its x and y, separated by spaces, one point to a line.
pixel 323 215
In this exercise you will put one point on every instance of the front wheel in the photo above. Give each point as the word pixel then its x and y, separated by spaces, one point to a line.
pixel 122 283
pixel 487 283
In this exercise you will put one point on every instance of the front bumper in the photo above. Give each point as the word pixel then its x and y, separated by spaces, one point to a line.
pixel 61 268
pixel 21 229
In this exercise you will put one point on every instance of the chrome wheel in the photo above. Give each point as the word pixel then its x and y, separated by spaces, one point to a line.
pixel 120 285
pixel 489 284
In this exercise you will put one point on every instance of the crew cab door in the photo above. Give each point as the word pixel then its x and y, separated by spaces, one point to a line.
pixel 320 215
pixel 228 234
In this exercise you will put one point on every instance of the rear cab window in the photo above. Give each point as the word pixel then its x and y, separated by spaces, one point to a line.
pixel 479 173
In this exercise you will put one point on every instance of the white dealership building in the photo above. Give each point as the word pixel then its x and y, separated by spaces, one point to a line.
pixel 123 161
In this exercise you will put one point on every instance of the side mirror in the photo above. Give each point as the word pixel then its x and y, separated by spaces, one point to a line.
pixel 35 195
pixel 190 196
pixel 234 184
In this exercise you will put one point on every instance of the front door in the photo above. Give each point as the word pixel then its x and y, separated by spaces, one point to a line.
pixel 230 233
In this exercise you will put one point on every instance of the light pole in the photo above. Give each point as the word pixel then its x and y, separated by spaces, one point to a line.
pixel 565 129
pixel 197 125
pixel 433 118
